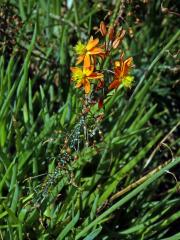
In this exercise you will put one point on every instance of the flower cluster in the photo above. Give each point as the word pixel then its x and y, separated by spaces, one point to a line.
pixel 87 54
pixel 89 72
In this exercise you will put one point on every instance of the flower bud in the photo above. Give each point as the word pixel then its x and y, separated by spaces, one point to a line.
pixel 75 157
pixel 68 150
pixel 66 141
pixel 116 42
pixel 111 33
pixel 164 10
pixel 122 34
pixel 103 29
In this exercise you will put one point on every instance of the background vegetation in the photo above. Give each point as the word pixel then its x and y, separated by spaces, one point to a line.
pixel 127 186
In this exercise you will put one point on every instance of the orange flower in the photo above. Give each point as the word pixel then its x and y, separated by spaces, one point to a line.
pixel 82 76
pixel 90 49
pixel 121 70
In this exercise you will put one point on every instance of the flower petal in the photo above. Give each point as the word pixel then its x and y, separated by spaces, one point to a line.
pixel 96 75
pixel 87 86
pixel 87 61
pixel 128 61
pixel 117 72
pixel 74 69
pixel 80 59
pixel 97 50
pixel 114 85
pixel 126 66
pixel 79 84
pixel 117 63
pixel 88 70
pixel 92 43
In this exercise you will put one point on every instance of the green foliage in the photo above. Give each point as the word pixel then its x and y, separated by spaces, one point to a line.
pixel 38 107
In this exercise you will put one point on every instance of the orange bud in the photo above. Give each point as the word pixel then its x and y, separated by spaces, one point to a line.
pixel 114 85
pixel 116 42
pixel 118 39
pixel 103 29
pixel 123 32
pixel 111 33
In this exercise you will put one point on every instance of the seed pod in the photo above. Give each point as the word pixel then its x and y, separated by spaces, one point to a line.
pixel 103 29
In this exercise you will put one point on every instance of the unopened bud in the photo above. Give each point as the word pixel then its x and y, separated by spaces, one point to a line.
pixel 164 10
pixel 66 141
pixel 103 29
pixel 68 150
pixel 111 33
pixel 116 42
pixel 137 20
pixel 122 34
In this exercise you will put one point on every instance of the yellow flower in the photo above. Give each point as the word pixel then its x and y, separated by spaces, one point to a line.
pixel 82 76
pixel 91 49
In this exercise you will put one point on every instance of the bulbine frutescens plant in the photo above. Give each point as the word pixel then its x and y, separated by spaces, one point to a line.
pixel 102 159
pixel 97 83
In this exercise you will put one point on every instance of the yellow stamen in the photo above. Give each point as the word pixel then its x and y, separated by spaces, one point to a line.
pixel 80 48
pixel 78 75
pixel 128 81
